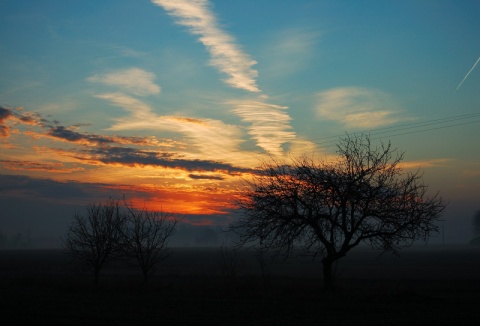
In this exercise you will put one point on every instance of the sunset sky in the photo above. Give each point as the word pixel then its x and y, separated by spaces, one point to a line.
pixel 171 103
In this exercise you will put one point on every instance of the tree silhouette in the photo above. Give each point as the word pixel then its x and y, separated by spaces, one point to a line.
pixel 146 235
pixel 328 208
pixel 96 239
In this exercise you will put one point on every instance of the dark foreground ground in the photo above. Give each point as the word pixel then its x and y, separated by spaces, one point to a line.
pixel 439 286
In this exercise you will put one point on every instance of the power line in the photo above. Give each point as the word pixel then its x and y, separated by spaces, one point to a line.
pixel 386 130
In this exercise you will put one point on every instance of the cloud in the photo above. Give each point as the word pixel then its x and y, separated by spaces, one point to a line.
pixel 269 124
pixel 138 157
pixel 226 55
pixel 439 162
pixel 209 137
pixel 205 177
pixel 37 166
pixel 356 107
pixel 4 131
pixel 135 81
pixel 66 134
pixel 139 109
pixel 290 51
pixel 5 114
pixel 19 117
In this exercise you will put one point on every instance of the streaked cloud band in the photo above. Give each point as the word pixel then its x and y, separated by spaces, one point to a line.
pixel 131 80
pixel 270 124
pixel 226 55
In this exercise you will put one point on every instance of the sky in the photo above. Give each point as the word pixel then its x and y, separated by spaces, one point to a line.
pixel 172 103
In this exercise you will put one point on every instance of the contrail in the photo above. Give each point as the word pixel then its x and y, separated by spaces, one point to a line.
pixel 468 73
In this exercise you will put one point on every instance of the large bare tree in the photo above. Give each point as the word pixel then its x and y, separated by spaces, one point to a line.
pixel 96 238
pixel 146 236
pixel 327 208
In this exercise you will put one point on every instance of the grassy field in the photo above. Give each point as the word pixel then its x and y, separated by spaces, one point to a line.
pixel 439 286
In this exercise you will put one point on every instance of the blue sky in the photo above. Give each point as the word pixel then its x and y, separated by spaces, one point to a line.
pixel 172 101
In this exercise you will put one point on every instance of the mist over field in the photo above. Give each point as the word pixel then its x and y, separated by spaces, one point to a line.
pixel 41 225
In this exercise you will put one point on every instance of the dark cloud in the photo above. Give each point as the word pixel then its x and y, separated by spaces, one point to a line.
pixel 66 134
pixel 132 156
pixel 36 166
pixel 5 114
pixel 56 191
pixel 206 177
pixel 22 117
pixel 31 119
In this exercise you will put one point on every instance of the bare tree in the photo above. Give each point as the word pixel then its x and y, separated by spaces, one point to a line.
pixel 96 239
pixel 328 208
pixel 146 237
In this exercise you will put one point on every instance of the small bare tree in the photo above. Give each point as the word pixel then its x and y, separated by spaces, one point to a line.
pixel 96 239
pixel 146 237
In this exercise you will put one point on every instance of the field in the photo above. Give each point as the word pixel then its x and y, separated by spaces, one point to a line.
pixel 424 286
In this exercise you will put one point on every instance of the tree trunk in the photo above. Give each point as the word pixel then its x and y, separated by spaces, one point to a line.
pixel 327 273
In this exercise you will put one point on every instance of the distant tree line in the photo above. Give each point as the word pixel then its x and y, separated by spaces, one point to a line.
pixel 114 230
pixel 17 241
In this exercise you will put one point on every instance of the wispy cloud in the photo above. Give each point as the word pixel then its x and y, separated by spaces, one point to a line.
pixel 140 110
pixel 209 137
pixel 226 55
pixel 135 81
pixel 290 51
pixel 439 162
pixel 212 139
pixel 270 124
pixel 356 107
